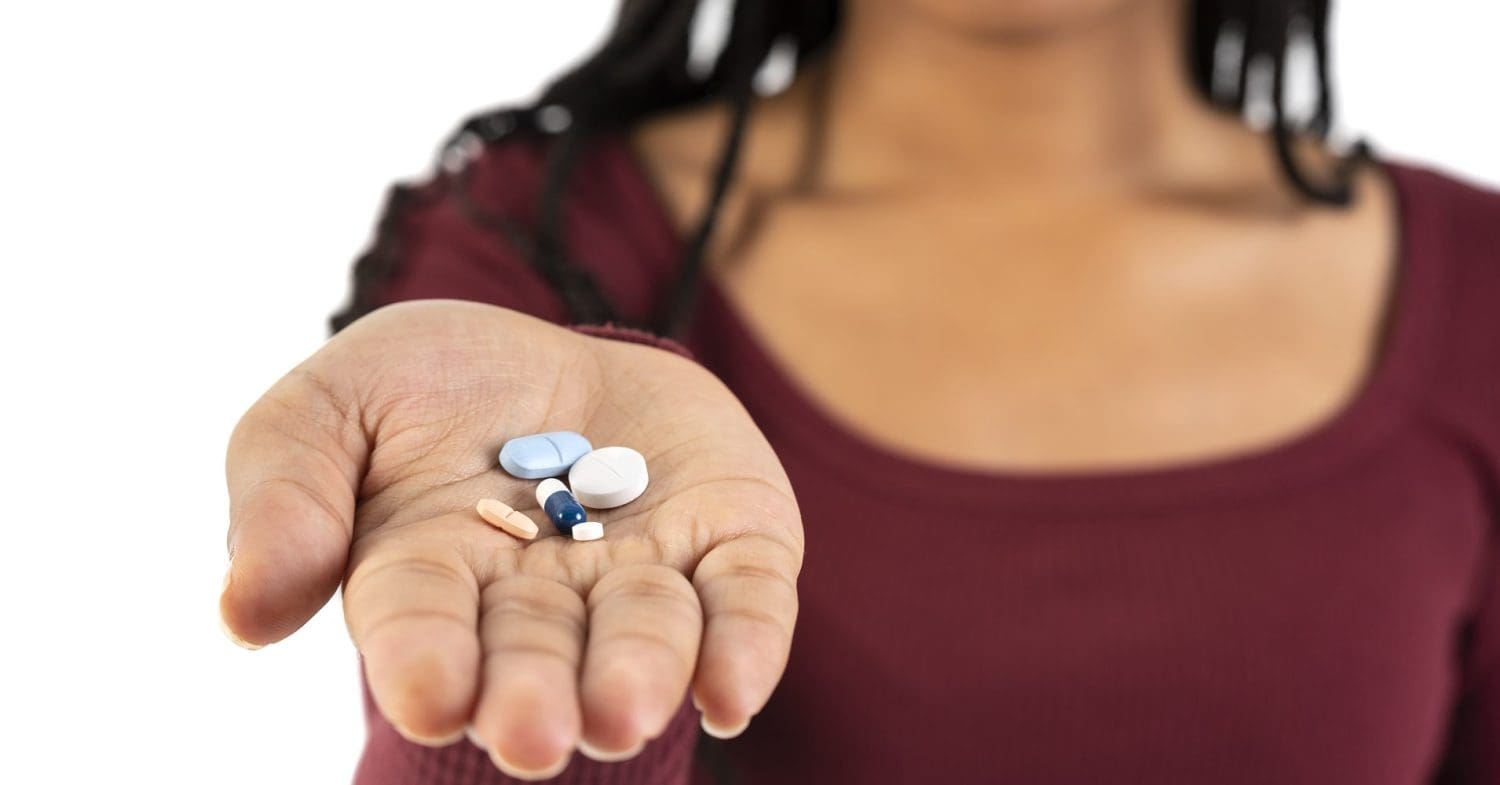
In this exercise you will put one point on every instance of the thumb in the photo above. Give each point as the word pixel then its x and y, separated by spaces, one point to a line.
pixel 295 461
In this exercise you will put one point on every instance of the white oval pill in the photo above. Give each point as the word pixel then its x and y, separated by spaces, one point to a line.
pixel 608 477
pixel 588 530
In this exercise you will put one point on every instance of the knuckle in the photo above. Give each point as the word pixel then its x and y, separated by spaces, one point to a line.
pixel 554 559
pixel 534 599
pixel 630 551
pixel 782 549
pixel 508 649
pixel 407 567
pixel 653 584
pixel 395 617
pixel 751 555
pixel 331 516
pixel 766 577
pixel 756 616
pixel 648 639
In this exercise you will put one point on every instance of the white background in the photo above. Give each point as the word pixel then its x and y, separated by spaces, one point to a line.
pixel 182 187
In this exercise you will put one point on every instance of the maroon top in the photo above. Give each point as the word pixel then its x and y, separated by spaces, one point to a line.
pixel 1323 611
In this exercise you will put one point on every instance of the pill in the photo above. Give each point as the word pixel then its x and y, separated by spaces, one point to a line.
pixel 501 516
pixel 608 477
pixel 560 505
pixel 588 530
pixel 543 454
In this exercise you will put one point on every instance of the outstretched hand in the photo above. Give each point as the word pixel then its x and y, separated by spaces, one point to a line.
pixel 362 467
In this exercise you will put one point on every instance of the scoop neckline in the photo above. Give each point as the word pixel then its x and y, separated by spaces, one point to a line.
pixel 783 405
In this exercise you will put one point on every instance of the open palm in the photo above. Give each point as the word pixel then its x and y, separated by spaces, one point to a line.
pixel 362 466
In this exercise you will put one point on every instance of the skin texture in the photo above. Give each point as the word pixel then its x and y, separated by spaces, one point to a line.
pixel 1010 19
pixel 1064 260
pixel 537 646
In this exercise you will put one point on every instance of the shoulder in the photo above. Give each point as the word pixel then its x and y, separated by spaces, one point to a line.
pixel 1451 242
pixel 470 230
pixel 1451 229
pixel 1447 215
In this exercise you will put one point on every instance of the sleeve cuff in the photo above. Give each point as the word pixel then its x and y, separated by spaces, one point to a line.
pixel 632 335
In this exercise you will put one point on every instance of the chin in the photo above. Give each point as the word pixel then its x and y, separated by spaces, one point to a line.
pixel 1011 17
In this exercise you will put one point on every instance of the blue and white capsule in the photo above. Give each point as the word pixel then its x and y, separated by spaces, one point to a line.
pixel 560 504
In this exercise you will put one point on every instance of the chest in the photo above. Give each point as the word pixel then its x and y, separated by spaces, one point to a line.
pixel 1299 636
pixel 1091 339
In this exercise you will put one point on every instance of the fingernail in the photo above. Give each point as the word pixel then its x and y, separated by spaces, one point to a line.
pixel 223 625
pixel 594 753
pixel 474 739
pixel 509 769
pixel 428 741
pixel 721 732
pixel 237 640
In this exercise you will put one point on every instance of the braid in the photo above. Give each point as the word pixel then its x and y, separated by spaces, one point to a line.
pixel 1317 20
pixel 1340 191
pixel 738 66
pixel 683 296
pixel 1267 28
pixel 584 301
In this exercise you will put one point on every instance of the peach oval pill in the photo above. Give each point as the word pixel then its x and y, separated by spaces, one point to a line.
pixel 588 530
pixel 501 516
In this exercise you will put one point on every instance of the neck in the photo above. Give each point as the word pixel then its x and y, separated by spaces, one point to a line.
pixel 1098 102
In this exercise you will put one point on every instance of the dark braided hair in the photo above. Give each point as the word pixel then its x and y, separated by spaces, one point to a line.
pixel 642 68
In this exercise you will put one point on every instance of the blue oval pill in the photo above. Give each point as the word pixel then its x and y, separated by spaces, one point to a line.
pixel 560 504
pixel 543 454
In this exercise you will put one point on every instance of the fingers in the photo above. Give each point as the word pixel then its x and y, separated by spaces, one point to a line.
pixel 644 628
pixel 605 676
pixel 412 609
pixel 532 631
pixel 293 464
pixel 749 594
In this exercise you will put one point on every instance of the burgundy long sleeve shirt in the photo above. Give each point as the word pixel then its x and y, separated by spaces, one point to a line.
pixel 1326 610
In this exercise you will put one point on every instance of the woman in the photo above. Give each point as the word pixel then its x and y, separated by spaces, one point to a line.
pixel 1131 444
